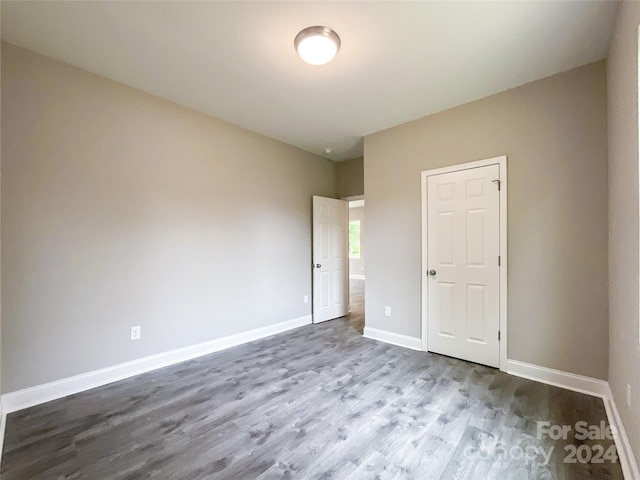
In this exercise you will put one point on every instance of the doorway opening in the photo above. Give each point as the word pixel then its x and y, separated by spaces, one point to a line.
pixel 356 263
pixel 464 261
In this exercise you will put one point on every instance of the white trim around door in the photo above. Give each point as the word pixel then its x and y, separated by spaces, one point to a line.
pixel 352 198
pixel 502 164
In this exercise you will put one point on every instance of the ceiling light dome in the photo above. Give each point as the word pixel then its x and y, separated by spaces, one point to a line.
pixel 317 45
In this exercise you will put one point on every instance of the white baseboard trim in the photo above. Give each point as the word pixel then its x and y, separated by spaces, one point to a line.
pixel 393 338
pixel 29 397
pixel 590 386
pixel 558 378
pixel 356 277
pixel 626 458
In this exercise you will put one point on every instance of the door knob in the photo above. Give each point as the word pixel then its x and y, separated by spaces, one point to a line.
pixel 431 272
pixel 318 265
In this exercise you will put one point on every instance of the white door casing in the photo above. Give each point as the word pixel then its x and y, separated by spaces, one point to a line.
pixel 330 259
pixel 464 261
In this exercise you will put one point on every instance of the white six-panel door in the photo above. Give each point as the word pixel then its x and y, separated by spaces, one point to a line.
pixel 330 259
pixel 463 276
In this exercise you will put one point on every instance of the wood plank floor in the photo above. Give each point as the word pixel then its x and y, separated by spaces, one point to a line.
pixel 319 402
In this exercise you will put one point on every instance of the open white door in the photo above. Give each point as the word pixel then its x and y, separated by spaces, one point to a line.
pixel 330 259
pixel 463 261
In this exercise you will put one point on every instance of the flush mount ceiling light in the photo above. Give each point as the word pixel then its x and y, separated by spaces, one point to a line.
pixel 317 45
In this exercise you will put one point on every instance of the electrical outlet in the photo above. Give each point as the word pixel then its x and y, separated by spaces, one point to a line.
pixel 387 311
pixel 306 299
pixel 628 395
pixel 135 333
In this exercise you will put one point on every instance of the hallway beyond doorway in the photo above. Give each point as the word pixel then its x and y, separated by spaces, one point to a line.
pixel 356 305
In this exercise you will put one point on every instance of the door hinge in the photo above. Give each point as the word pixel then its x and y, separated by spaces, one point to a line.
pixel 499 260
pixel 498 335
pixel 499 182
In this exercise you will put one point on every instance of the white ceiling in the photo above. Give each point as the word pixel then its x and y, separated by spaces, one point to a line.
pixel 235 60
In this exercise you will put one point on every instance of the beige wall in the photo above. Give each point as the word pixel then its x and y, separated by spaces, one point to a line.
pixel 624 360
pixel 554 134
pixel 350 178
pixel 122 209
pixel 356 265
